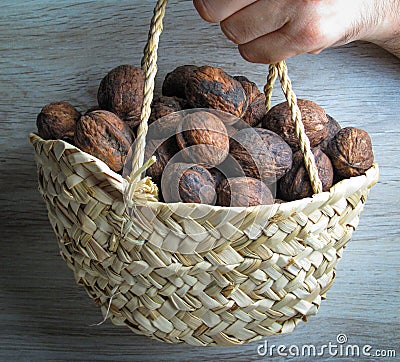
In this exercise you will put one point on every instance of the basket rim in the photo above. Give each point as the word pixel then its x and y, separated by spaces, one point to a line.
pixel 343 187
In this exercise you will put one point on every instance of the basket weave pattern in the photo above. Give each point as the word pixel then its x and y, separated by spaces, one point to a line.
pixel 247 272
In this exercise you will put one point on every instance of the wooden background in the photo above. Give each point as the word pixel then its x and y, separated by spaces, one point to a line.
pixel 60 51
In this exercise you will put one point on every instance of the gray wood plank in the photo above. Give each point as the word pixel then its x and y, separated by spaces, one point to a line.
pixel 60 51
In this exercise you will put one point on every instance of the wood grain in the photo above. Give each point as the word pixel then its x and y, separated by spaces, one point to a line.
pixel 60 51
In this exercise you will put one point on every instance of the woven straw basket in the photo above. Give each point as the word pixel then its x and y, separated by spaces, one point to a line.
pixel 194 273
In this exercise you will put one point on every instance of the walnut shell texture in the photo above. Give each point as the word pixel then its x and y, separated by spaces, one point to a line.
pixel 188 183
pixel 121 92
pixel 210 87
pixel 279 120
pixel 255 111
pixel 296 183
pixel 174 82
pixel 261 154
pixel 351 152
pixel 57 120
pixel 105 136
pixel 203 139
pixel 244 191
pixel 333 128
pixel 163 151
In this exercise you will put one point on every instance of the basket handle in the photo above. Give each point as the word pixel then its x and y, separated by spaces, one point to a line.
pixel 149 65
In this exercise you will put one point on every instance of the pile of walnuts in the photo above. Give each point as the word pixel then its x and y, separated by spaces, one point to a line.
pixel 213 140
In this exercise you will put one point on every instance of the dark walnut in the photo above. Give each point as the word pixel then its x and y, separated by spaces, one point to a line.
pixel 261 154
pixel 105 136
pixel 296 183
pixel 244 191
pixel 174 82
pixel 351 152
pixel 121 92
pixel 187 183
pixel 163 151
pixel 279 120
pixel 256 109
pixel 210 87
pixel 203 139
pixel 57 120
pixel 333 128
pixel 164 120
pixel 218 177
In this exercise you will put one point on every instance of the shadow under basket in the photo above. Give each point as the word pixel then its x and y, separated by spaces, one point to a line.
pixel 190 273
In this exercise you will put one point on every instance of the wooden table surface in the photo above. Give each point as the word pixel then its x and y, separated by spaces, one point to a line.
pixel 60 51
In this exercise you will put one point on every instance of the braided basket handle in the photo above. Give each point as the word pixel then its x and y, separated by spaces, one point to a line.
pixel 149 66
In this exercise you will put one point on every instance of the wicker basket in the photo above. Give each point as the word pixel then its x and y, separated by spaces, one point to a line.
pixel 191 273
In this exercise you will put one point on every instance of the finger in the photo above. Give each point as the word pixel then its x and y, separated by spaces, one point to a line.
pixel 214 11
pixel 271 48
pixel 258 19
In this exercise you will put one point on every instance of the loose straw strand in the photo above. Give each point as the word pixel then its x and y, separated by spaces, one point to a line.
pixel 304 142
pixel 149 65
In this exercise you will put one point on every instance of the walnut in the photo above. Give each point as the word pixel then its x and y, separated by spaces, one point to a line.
pixel 57 120
pixel 164 120
pixel 164 151
pixel 250 88
pixel 351 152
pixel 121 92
pixel 333 128
pixel 261 154
pixel 256 109
pixel 174 82
pixel 218 177
pixel 244 191
pixel 210 87
pixel 279 120
pixel 105 136
pixel 188 183
pixel 203 139
pixel 296 183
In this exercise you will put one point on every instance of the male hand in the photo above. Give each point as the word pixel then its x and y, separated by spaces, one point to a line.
pixel 268 31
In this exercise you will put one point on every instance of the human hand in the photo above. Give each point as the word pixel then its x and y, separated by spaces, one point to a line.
pixel 268 31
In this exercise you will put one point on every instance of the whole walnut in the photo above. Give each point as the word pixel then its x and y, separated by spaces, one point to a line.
pixel 351 152
pixel 105 136
pixel 174 82
pixel 210 87
pixel 164 120
pixel 57 120
pixel 188 183
pixel 203 139
pixel 244 191
pixel 279 120
pixel 296 183
pixel 164 151
pixel 256 109
pixel 121 92
pixel 261 154
pixel 333 128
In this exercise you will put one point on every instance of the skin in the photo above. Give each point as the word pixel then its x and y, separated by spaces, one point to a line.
pixel 268 31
